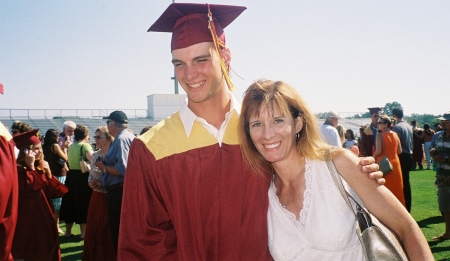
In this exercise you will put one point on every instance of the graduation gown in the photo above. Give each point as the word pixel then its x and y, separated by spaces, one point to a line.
pixel 8 194
pixel 187 198
pixel 36 236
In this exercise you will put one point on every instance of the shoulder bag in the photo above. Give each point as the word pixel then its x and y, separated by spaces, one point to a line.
pixel 377 240
pixel 84 166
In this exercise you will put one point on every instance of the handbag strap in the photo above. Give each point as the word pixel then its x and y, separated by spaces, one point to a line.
pixel 338 182
pixel 81 152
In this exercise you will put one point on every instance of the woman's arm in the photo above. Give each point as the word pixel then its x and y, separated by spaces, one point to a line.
pixel 378 146
pixel 384 205
pixel 60 152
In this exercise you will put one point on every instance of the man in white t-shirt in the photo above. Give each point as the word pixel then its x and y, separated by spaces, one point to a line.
pixel 328 130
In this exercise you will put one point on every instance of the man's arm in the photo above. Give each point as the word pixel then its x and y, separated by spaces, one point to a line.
pixel 146 229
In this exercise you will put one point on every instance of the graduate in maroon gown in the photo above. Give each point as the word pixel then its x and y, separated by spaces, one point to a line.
pixel 36 236
pixel 8 193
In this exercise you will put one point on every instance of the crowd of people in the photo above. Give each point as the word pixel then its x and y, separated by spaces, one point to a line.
pixel 214 181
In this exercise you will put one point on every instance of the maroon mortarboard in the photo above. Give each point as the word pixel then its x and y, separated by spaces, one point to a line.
pixel 26 139
pixel 188 22
pixel 374 110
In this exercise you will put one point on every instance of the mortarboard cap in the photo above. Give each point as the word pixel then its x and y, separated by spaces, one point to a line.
pixel 374 110
pixel 188 22
pixel 26 139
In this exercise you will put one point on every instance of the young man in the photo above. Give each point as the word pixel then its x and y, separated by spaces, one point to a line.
pixel 369 135
pixel 404 132
pixel 188 194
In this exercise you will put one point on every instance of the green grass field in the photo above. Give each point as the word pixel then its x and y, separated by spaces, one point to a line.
pixel 424 210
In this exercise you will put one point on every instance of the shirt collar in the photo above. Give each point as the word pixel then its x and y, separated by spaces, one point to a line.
pixel 188 117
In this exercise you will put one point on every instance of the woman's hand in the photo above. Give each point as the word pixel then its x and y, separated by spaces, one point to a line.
pixel 30 158
pixel 95 184
pixel 44 165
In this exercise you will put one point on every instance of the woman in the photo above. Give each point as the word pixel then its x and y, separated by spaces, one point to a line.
pixel 427 135
pixel 36 236
pixel 98 244
pixel 350 142
pixel 308 218
pixel 52 154
pixel 75 204
pixel 388 144
pixel 341 131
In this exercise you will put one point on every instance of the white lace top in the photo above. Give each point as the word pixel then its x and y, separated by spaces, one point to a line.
pixel 326 229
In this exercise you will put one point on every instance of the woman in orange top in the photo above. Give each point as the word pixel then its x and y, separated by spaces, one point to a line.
pixel 388 144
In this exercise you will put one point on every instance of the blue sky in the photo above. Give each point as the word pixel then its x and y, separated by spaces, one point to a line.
pixel 340 55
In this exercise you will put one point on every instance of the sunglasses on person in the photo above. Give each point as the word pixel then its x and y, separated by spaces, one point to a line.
pixel 376 115
pixel 99 137
pixel 15 131
pixel 382 122
pixel 108 121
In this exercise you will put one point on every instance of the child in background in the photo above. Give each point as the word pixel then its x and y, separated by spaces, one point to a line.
pixel 350 142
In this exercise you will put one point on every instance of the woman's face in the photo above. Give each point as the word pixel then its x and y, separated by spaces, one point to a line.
pixel 274 134
pixel 100 139
pixel 382 126
pixel 37 149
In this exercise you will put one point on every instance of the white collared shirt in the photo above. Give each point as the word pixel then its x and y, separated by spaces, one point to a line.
pixel 188 117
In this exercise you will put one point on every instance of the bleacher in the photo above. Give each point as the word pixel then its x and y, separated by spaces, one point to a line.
pixel 135 124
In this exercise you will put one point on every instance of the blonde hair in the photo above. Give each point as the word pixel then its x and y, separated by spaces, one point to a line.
pixel 279 95
pixel 341 132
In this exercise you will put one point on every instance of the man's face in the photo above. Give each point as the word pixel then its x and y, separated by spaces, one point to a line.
pixel 15 132
pixel 198 70
pixel 69 131
pixel 375 117
pixel 335 121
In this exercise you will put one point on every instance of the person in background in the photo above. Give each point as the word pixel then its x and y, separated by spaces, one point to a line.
pixel 145 129
pixel 98 244
pixel 341 133
pixel 328 129
pixel 350 142
pixel 388 144
pixel 427 136
pixel 36 236
pixel 113 166
pixel 17 128
pixel 440 152
pixel 404 133
pixel 417 146
pixel 280 140
pixel 65 140
pixel 55 156
pixel 75 204
pixel 9 192
pixel 437 127
pixel 368 137
pixel 201 201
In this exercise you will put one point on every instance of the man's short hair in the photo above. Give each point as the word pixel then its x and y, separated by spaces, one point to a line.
pixel 398 111
pixel 331 114
pixel 21 126
pixel 70 124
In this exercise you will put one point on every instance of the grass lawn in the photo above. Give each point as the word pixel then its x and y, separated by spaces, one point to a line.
pixel 424 210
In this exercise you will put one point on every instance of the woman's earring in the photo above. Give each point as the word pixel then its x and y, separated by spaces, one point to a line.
pixel 297 136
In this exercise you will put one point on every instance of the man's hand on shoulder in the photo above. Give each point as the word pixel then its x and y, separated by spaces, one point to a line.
pixel 369 166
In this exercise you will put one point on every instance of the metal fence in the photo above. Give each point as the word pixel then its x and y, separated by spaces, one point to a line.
pixel 67 113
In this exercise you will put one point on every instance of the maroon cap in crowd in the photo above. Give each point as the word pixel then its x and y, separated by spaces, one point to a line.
pixel 26 139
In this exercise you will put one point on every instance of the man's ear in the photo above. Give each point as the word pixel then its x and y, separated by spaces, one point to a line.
pixel 226 55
